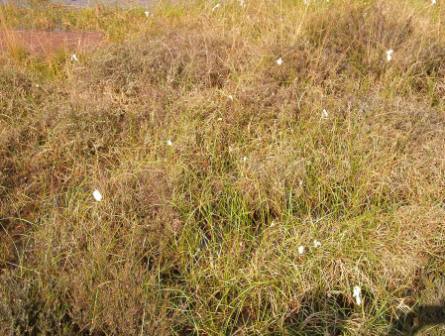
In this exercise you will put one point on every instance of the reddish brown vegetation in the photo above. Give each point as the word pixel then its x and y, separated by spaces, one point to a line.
pixel 44 42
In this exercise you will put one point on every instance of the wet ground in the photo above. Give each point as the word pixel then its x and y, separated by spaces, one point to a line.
pixel 46 42
pixel 89 3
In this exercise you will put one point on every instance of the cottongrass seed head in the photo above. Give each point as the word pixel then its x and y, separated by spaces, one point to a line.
pixel 74 58
pixel 357 295
pixel 279 61
pixel 389 55
pixel 324 114
pixel 301 250
pixel 97 195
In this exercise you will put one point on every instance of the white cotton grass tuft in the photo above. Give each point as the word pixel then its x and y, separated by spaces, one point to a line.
pixel 389 55
pixel 324 114
pixel 279 61
pixel 357 295
pixel 301 250
pixel 216 7
pixel 97 195
pixel 433 2
pixel 169 142
pixel 147 13
pixel 74 58
pixel 317 243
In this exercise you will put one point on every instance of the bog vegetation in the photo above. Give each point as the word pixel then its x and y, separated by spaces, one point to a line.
pixel 235 168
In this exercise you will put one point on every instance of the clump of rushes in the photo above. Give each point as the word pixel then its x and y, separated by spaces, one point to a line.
pixel 262 171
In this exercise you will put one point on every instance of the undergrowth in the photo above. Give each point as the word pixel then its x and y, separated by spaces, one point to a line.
pixel 216 164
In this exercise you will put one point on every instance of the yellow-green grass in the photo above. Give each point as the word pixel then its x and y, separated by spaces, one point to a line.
pixel 201 237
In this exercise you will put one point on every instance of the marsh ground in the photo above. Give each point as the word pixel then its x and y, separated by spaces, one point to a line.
pixel 217 163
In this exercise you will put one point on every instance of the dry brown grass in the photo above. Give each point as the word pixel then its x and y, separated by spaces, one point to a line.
pixel 201 237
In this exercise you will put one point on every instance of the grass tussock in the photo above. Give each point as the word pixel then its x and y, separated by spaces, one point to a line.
pixel 216 164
